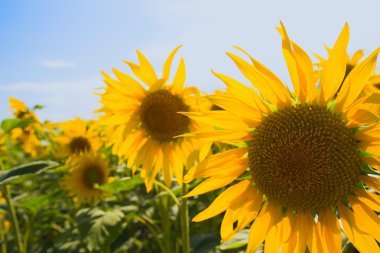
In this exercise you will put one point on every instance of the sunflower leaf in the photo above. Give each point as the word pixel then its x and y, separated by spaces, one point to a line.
pixel 9 124
pixel 35 204
pixel 98 228
pixel 26 169
pixel 240 240
pixel 123 184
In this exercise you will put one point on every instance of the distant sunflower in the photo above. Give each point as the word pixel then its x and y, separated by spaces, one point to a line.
pixel 85 172
pixel 373 85
pixel 26 136
pixel 309 160
pixel 77 137
pixel 142 123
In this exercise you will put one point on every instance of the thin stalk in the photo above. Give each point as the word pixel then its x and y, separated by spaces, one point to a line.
pixel 2 238
pixel 185 221
pixel 12 211
pixel 166 224
pixel 14 220
pixel 152 230
pixel 171 194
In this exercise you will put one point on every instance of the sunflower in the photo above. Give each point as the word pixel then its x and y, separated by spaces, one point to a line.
pixel 373 85
pixel 78 136
pixel 351 61
pixel 27 136
pixel 142 119
pixel 307 170
pixel 86 171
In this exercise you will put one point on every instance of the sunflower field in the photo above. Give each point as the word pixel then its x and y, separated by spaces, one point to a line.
pixel 165 167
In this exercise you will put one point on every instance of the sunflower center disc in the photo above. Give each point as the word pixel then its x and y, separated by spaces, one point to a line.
pixel 159 115
pixel 304 157
pixel 79 144
pixel 93 175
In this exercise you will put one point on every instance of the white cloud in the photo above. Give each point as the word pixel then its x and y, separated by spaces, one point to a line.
pixel 62 100
pixel 58 64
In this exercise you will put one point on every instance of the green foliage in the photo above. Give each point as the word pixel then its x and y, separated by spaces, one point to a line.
pixel 9 124
pixel 22 170
pixel 123 184
pixel 35 204
pixel 98 228
pixel 239 241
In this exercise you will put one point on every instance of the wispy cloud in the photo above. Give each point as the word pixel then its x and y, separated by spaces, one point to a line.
pixel 58 64
pixel 62 100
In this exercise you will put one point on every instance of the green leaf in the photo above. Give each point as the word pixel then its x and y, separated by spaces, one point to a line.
pixel 124 184
pixel 37 203
pixel 31 168
pixel 38 107
pixel 99 228
pixel 240 240
pixel 8 124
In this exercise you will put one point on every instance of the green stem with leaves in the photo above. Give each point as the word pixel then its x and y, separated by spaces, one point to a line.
pixel 7 194
pixel 185 221
pixel 14 220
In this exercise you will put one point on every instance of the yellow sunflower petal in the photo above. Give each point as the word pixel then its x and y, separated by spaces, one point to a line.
pixel 272 77
pixel 356 57
pixel 220 119
pixel 177 163
pixel 306 67
pixel 295 73
pixel 128 85
pixel 244 94
pixel 372 182
pixel 222 135
pixel 241 212
pixel 262 224
pixel 251 117
pixel 369 199
pixel 210 184
pixel 355 82
pixel 168 63
pixel 369 134
pixel 301 230
pixel 145 72
pixel 330 231
pixel 223 201
pixel 275 95
pixel 180 77
pixel 363 242
pixel 334 71
pixel 366 219
pixel 220 164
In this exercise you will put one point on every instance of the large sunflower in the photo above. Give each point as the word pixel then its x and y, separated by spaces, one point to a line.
pixel 309 164
pixel 85 172
pixel 142 119
pixel 78 136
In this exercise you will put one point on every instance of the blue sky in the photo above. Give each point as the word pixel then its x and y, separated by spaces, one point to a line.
pixel 52 52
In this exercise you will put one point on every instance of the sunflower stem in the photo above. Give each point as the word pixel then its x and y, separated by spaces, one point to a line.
pixel 14 220
pixel 170 193
pixel 3 239
pixel 185 221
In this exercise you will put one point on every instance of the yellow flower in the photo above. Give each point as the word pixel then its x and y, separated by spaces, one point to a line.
pixel 26 137
pixel 77 137
pixel 309 157
pixel 20 110
pixel 2 143
pixel 85 172
pixel 373 85
pixel 142 122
